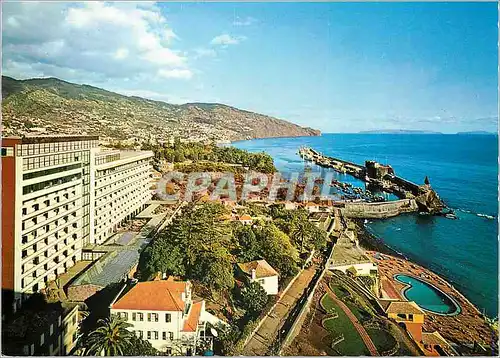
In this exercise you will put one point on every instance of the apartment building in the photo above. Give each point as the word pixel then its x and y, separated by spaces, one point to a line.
pixel 60 193
pixel 164 313
pixel 43 329
pixel 121 189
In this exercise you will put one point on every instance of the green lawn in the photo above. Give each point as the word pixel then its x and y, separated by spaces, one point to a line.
pixel 346 297
pixel 339 291
pixel 352 345
pixel 383 340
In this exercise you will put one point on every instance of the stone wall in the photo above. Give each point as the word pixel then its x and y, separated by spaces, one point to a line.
pixel 379 210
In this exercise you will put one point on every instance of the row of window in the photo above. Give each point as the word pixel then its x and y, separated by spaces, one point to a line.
pixel 139 316
pixel 120 168
pixel 51 160
pixel 107 158
pixel 45 172
pixel 28 189
pixel 41 148
pixel 154 335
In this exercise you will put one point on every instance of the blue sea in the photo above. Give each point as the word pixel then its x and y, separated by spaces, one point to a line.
pixel 463 169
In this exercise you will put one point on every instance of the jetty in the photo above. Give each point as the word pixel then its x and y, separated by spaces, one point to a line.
pixel 382 177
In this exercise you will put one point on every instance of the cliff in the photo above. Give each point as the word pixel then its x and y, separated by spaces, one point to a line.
pixel 51 105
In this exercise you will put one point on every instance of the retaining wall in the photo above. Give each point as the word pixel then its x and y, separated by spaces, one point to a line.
pixel 379 210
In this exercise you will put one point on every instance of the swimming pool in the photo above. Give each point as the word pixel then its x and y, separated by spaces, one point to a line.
pixel 427 296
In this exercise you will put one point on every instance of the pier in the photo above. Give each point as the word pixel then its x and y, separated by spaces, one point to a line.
pixel 382 177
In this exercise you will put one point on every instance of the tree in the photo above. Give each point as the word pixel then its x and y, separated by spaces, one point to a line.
pixel 249 246
pixel 277 249
pixel 140 347
pixel 110 338
pixel 254 298
pixel 164 256
pixel 225 343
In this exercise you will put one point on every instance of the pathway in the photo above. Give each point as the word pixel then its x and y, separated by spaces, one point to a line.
pixel 361 330
pixel 260 343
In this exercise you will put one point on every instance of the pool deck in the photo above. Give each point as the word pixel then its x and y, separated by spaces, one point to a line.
pixel 454 328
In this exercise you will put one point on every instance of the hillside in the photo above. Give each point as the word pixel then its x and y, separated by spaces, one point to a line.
pixel 55 106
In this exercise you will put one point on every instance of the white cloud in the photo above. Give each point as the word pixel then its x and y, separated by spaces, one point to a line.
pixel 175 73
pixel 226 40
pixel 108 40
pixel 244 22
pixel 205 52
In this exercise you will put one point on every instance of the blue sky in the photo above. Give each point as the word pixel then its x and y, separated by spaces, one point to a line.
pixel 339 67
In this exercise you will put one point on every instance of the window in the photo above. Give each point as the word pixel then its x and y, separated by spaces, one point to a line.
pixel 141 316
pixel 140 334
pixel 164 336
pixel 42 339
pixel 168 317
pixel 51 329
pixel 149 317
pixel 32 349
pixel 134 316
pixel 170 335
pixel 149 334
pixel 155 334
pixel 169 351
pixel 155 317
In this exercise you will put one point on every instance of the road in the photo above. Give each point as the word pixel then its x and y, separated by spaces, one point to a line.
pixel 263 339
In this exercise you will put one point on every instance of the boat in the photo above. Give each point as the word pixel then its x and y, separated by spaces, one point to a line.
pixel 451 216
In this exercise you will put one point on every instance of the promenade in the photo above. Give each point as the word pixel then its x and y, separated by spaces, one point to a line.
pixel 262 340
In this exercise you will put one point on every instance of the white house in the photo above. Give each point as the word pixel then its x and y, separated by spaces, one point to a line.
pixel 163 313
pixel 261 272
pixel 245 219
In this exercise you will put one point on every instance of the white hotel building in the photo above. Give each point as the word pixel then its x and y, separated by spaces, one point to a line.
pixel 59 193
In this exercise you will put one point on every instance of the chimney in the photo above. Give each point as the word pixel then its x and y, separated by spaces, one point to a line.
pixel 253 274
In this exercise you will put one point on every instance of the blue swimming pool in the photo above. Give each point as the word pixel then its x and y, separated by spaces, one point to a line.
pixel 427 296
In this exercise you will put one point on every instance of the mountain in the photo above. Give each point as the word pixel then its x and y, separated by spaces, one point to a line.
pixel 51 105
pixel 398 131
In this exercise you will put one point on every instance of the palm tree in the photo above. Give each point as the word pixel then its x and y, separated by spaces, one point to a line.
pixel 110 338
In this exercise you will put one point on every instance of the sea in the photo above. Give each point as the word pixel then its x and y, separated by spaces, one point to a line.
pixel 462 168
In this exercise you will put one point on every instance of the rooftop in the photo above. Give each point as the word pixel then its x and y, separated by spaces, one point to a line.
pixel 409 307
pixel 49 138
pixel 154 296
pixel 345 252
pixel 261 267
pixel 434 339
pixel 191 323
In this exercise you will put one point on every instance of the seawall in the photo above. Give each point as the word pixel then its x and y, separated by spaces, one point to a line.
pixel 378 210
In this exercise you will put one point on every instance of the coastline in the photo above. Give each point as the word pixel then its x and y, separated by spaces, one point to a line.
pixel 370 242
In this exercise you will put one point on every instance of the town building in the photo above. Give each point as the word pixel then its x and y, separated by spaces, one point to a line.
pixel 164 313
pixel 121 189
pixel 263 273
pixel 50 329
pixel 346 256
pixel 59 194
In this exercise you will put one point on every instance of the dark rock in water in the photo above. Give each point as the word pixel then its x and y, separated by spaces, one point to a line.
pixel 428 201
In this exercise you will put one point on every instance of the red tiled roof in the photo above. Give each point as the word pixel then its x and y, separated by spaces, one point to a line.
pixel 261 267
pixel 153 296
pixel 194 317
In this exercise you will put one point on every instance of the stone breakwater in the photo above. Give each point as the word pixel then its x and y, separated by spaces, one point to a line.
pixel 383 210
pixel 382 177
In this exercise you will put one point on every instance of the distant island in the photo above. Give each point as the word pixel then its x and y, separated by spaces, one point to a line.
pixel 398 131
pixel 478 133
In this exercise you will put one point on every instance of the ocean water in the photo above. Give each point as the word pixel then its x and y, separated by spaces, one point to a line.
pixel 463 169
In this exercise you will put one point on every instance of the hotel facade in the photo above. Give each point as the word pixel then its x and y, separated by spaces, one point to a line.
pixel 59 194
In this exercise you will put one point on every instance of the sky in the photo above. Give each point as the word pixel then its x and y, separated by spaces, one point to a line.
pixel 337 67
